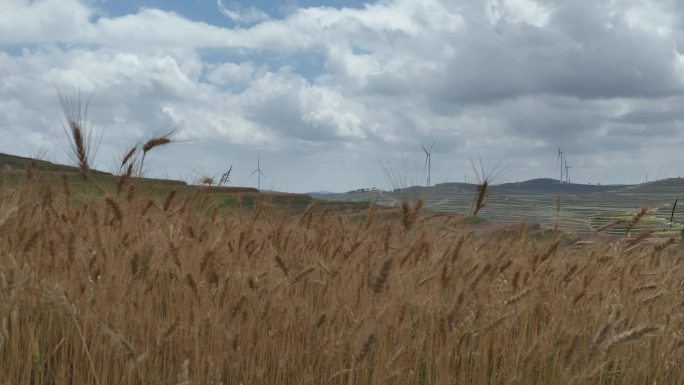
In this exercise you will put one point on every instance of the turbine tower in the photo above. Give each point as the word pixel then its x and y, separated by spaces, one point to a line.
pixel 428 160
pixel 258 172
pixel 560 160
pixel 567 174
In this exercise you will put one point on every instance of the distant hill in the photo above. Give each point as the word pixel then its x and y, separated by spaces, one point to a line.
pixel 674 186
pixel 532 186
pixel 669 182
pixel 540 186
pixel 15 162
pixel 13 169
pixel 552 186
pixel 321 193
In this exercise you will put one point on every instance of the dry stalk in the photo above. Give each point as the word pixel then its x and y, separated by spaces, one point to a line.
pixel 78 133
pixel 631 335
pixel 367 347
pixel 381 279
pixel 152 143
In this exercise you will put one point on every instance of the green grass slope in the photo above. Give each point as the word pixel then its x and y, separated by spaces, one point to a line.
pixel 14 170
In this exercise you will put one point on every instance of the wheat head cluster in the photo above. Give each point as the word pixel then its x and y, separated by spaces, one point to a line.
pixel 135 288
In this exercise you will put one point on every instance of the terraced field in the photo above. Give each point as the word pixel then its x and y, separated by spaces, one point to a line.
pixel 583 210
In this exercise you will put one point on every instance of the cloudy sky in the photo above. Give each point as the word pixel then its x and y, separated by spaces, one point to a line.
pixel 329 90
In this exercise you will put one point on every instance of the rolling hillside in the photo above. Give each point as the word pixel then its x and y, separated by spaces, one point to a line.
pixel 13 170
pixel 20 163
pixel 583 209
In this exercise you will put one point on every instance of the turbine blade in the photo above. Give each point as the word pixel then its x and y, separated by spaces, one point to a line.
pixel 424 149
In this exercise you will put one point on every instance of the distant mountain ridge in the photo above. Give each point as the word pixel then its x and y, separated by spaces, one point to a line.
pixel 538 186
pixel 552 186
pixel 532 186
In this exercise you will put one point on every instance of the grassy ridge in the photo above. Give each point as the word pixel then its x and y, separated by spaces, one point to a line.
pixel 21 163
pixel 18 169
pixel 143 288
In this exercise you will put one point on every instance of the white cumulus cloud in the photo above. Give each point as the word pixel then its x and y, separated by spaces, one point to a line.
pixel 509 78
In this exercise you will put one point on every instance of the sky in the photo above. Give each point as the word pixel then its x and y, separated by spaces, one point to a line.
pixel 334 95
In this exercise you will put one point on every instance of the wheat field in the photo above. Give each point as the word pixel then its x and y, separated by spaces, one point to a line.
pixel 137 289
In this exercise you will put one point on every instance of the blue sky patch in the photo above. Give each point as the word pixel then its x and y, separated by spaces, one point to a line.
pixel 208 10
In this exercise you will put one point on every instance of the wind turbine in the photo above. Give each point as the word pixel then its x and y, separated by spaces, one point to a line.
pixel 560 160
pixel 258 172
pixel 567 174
pixel 428 160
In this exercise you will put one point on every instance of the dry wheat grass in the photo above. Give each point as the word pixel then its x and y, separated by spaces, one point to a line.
pixel 163 291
